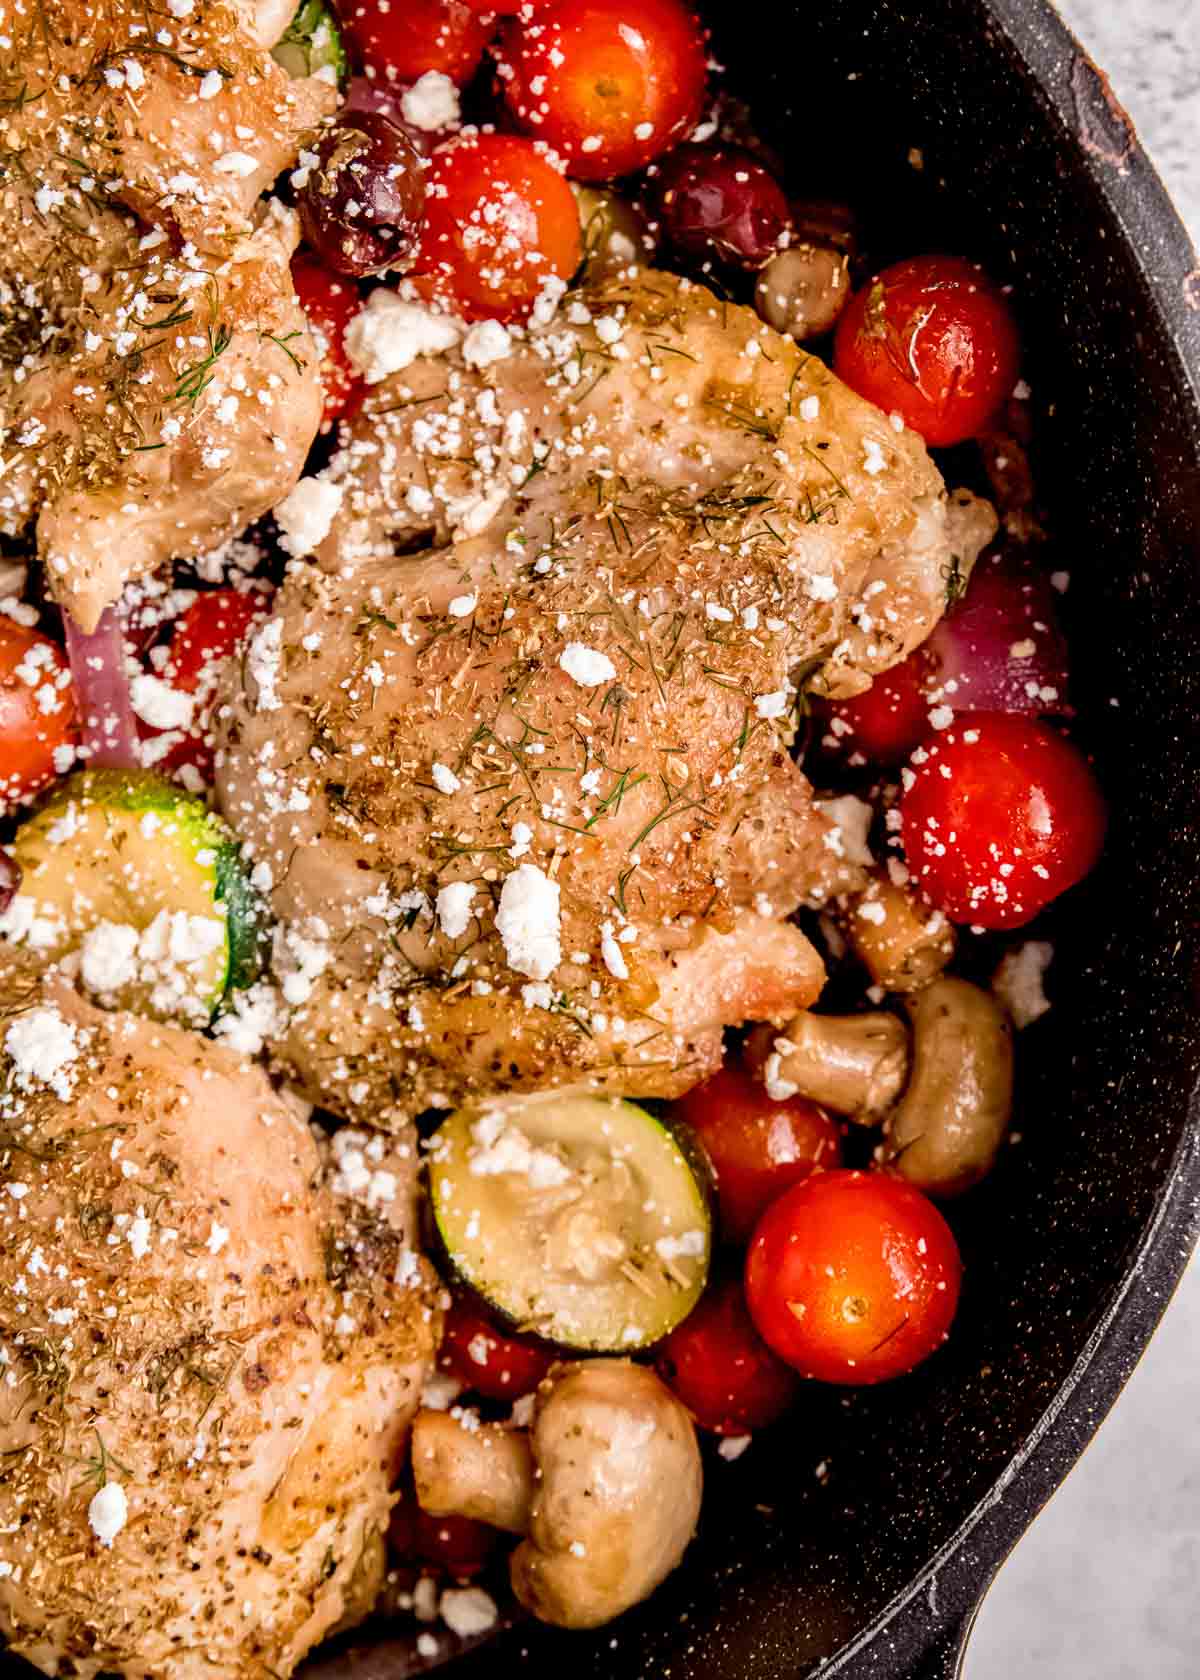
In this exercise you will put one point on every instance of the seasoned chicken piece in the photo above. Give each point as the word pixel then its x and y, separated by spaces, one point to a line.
pixel 524 798
pixel 211 1358
pixel 158 384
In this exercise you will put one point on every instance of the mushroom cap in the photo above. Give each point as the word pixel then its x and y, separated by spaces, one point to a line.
pixel 618 1496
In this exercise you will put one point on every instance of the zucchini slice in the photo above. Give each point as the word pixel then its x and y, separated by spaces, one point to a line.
pixel 146 885
pixel 312 42
pixel 582 1218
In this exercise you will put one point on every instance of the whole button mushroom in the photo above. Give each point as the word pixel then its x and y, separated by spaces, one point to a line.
pixel 952 1119
pixel 606 1488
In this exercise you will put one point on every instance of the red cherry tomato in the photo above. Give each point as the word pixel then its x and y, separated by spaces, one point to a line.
pixel 493 1362
pixel 499 222
pixel 459 1545
pixel 720 1367
pixel 210 632
pixel 330 302
pixel 885 723
pixel 853 1277
pixel 507 8
pixel 1000 815
pixel 37 710
pixel 402 39
pixel 758 1147
pixel 930 339
pixel 609 86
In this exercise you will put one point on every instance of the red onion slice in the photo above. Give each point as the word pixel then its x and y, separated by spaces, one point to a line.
pixel 10 880
pixel 102 692
pixel 1001 649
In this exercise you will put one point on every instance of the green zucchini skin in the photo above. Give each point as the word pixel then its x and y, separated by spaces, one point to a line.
pixel 636 1182
pixel 312 42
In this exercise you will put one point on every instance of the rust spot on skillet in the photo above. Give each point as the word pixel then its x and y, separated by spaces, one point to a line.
pixel 1105 127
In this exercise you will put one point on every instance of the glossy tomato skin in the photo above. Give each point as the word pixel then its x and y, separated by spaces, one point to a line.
pixel 493 1362
pixel 458 1545
pixel 399 40
pixel 1000 814
pixel 853 1277
pixel 330 301
pixel 609 86
pixel 500 220
pixel 37 711
pixel 720 1367
pixel 211 630
pixel 887 721
pixel 930 339
pixel 758 1147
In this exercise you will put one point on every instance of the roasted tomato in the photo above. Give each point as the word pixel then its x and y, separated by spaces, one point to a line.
pixel 758 1147
pixel 500 224
pixel 853 1277
pixel 330 302
pixel 401 39
pixel 1000 815
pixel 37 712
pixel 930 339
pixel 458 1545
pixel 720 1367
pixel 493 1362
pixel 884 723
pixel 608 87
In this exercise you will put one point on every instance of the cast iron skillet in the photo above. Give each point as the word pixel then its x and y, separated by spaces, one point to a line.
pixel 872 1569
pixel 875 1567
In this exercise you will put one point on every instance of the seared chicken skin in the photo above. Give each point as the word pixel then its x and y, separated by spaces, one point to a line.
pixel 513 755
pixel 210 1358
pixel 158 384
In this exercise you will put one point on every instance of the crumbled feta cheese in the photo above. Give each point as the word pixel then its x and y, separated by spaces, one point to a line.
pixel 252 1018
pixel 160 705
pixel 43 1046
pixel 240 164
pixel 809 408
pixel 444 779
pixel 454 908
pixel 306 514
pixel 211 84
pixel 614 957
pixel 138 1235
pixel 108 957
pixel 467 1611
pixel 586 666
pixel 388 333
pixel 522 834
pixel 851 818
pixel 772 705
pixel 487 342
pixel 1019 981
pixel 499 1147
pixel 821 587
pixel 528 922
pixel 874 460
pixel 108 1512
pixel 688 1246
pixel 462 606
pixel 733 1446
pixel 431 102
pixel 262 662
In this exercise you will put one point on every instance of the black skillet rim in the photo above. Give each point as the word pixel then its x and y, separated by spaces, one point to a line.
pixel 922 1633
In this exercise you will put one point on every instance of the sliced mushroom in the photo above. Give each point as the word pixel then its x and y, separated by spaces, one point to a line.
pixel 607 1490
pixel 945 1133
pixel 803 290
pixel 899 940
pixel 854 1064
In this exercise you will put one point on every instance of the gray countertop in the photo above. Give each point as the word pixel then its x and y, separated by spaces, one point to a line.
pixel 1105 1584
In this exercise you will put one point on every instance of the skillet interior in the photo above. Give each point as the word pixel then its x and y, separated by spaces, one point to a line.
pixel 1073 1245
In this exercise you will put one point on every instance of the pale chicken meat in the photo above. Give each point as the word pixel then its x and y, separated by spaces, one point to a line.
pixel 512 756
pixel 211 1353
pixel 159 386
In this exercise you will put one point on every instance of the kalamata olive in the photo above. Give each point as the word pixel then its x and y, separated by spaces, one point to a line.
pixel 10 880
pixel 719 202
pixel 361 206
pixel 803 290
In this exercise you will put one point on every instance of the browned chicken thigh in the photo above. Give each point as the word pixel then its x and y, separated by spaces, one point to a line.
pixel 158 383
pixel 512 756
pixel 210 1355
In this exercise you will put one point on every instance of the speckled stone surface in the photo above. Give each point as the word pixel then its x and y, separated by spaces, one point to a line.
pixel 1105 1585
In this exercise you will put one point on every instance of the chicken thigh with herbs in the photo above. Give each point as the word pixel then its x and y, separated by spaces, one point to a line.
pixel 210 1356
pixel 158 382
pixel 512 756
